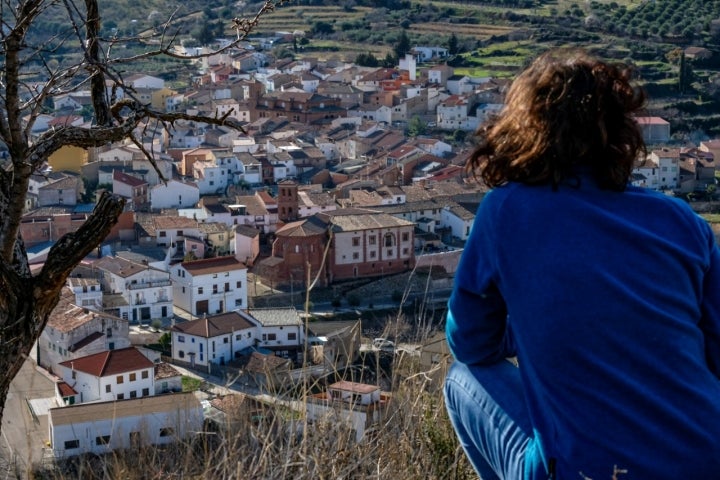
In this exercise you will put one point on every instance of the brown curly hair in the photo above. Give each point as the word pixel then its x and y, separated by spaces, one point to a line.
pixel 565 110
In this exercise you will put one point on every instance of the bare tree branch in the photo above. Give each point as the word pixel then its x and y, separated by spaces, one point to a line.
pixel 73 247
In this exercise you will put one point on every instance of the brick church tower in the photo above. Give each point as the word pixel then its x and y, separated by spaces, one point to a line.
pixel 287 201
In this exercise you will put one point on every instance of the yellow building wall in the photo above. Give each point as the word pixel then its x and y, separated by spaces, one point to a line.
pixel 68 158
pixel 159 96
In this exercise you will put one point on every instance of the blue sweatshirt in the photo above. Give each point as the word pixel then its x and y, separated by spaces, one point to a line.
pixel 611 301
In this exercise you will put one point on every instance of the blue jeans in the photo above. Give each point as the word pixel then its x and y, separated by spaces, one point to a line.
pixel 488 411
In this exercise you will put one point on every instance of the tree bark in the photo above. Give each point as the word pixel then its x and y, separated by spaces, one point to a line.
pixel 26 301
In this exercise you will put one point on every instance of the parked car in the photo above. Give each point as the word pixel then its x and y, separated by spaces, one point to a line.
pixel 383 344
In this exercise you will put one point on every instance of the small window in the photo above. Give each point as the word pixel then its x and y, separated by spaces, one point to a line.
pixel 108 388
pixel 145 392
pixel 71 444
pixel 271 336
pixel 238 285
pixel 102 440
pixel 200 290
pixel 181 338
pixel 133 377
pixel 144 374
pixel 356 242
pixel 225 340
pixel 74 375
pixel 405 236
pixel 121 396
pixel 119 379
pixel 133 394
pixel 181 354
pixel 292 336
pixel 371 240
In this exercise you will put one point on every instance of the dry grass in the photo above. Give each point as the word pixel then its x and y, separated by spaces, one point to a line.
pixel 414 441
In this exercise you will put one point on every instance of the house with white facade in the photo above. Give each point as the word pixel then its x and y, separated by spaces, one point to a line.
pixel 174 194
pixel 251 168
pixel 102 427
pixel 251 211
pixel 170 229
pixel 357 405
pixel 209 286
pixel 214 339
pixel 458 219
pixel 147 291
pixel 454 113
pixel 660 170
pixel 655 130
pixel 108 375
pixel 87 291
pixel 281 330
pixel 74 331
pixel 141 80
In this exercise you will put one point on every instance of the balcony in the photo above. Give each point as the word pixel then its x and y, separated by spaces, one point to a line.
pixel 153 284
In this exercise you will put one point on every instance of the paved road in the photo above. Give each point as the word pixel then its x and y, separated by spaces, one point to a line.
pixel 23 437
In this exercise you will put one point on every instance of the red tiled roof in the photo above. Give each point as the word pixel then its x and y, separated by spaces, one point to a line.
pixel 215 325
pixel 353 387
pixel 128 179
pixel 65 390
pixel 112 362
pixel 213 265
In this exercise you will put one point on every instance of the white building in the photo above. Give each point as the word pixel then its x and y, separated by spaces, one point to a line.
pixel 458 219
pixel 170 229
pixel 357 405
pixel 73 332
pixel 110 375
pixel 174 194
pixel 251 168
pixel 147 291
pixel 281 330
pixel 211 285
pixel 215 339
pixel 454 113
pixel 660 171
pixel 105 426
pixel 87 291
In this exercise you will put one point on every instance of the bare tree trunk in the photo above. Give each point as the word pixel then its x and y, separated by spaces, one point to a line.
pixel 26 300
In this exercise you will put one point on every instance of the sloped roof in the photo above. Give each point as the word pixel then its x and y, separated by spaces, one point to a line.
pixel 213 265
pixel 267 317
pixel 128 179
pixel 215 325
pixel 309 227
pixel 261 363
pixel 354 387
pixel 86 341
pixel 120 266
pixel 84 412
pixel 111 362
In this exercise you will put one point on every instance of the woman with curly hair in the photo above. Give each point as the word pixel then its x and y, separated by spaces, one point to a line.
pixel 608 295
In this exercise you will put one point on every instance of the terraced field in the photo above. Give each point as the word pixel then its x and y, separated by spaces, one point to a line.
pixel 480 32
